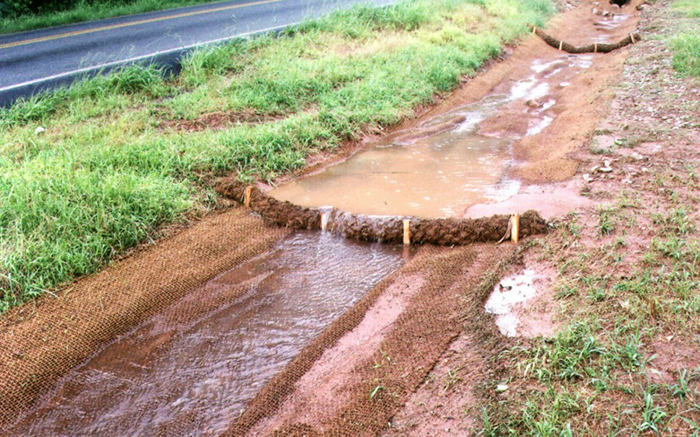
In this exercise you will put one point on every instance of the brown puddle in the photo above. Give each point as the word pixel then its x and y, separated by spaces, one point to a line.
pixel 447 163
pixel 192 373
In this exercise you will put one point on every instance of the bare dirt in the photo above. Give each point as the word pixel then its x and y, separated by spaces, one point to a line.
pixel 216 121
pixel 639 171
pixel 442 405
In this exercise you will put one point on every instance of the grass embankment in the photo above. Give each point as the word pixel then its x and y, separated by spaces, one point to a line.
pixel 686 44
pixel 88 11
pixel 114 165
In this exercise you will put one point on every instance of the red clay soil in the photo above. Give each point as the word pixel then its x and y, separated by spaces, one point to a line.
pixel 217 121
pixel 374 391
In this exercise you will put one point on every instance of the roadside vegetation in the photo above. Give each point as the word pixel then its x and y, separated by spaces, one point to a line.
pixel 90 171
pixel 605 372
pixel 686 43
pixel 627 293
pixel 22 15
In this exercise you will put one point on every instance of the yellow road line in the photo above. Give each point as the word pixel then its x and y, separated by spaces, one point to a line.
pixel 132 23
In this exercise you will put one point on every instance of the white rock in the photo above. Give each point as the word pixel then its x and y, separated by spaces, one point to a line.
pixel 39 130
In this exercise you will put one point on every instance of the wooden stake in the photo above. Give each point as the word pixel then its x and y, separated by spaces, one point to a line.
pixel 632 36
pixel 515 228
pixel 595 47
pixel 561 43
pixel 406 232
pixel 246 199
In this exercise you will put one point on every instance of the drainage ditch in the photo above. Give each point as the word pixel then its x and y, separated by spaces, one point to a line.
pixel 198 371
pixel 194 368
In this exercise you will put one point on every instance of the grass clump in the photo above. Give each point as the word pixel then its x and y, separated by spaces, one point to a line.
pixel 686 43
pixel 109 167
pixel 686 56
pixel 691 8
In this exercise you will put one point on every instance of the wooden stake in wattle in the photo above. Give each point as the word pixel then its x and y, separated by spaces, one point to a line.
pixel 248 192
pixel 515 228
pixel 406 232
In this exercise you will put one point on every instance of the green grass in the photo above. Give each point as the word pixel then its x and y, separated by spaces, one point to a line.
pixel 690 8
pixel 593 377
pixel 686 56
pixel 86 11
pixel 110 170
pixel 686 43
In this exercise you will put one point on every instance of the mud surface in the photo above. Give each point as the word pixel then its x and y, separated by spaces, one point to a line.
pixel 393 391
pixel 325 385
pixel 194 373
pixel 521 302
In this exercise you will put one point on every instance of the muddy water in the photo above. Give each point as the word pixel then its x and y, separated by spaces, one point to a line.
pixel 427 177
pixel 448 163
pixel 193 368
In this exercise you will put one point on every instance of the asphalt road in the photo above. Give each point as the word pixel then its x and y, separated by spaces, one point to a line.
pixel 41 59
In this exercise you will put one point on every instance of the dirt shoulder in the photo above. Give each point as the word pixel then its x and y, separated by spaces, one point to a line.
pixel 622 283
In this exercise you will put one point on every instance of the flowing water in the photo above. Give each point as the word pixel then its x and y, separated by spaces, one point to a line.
pixel 193 370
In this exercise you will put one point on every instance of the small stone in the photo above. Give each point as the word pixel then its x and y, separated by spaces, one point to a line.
pixel 39 130
pixel 500 388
